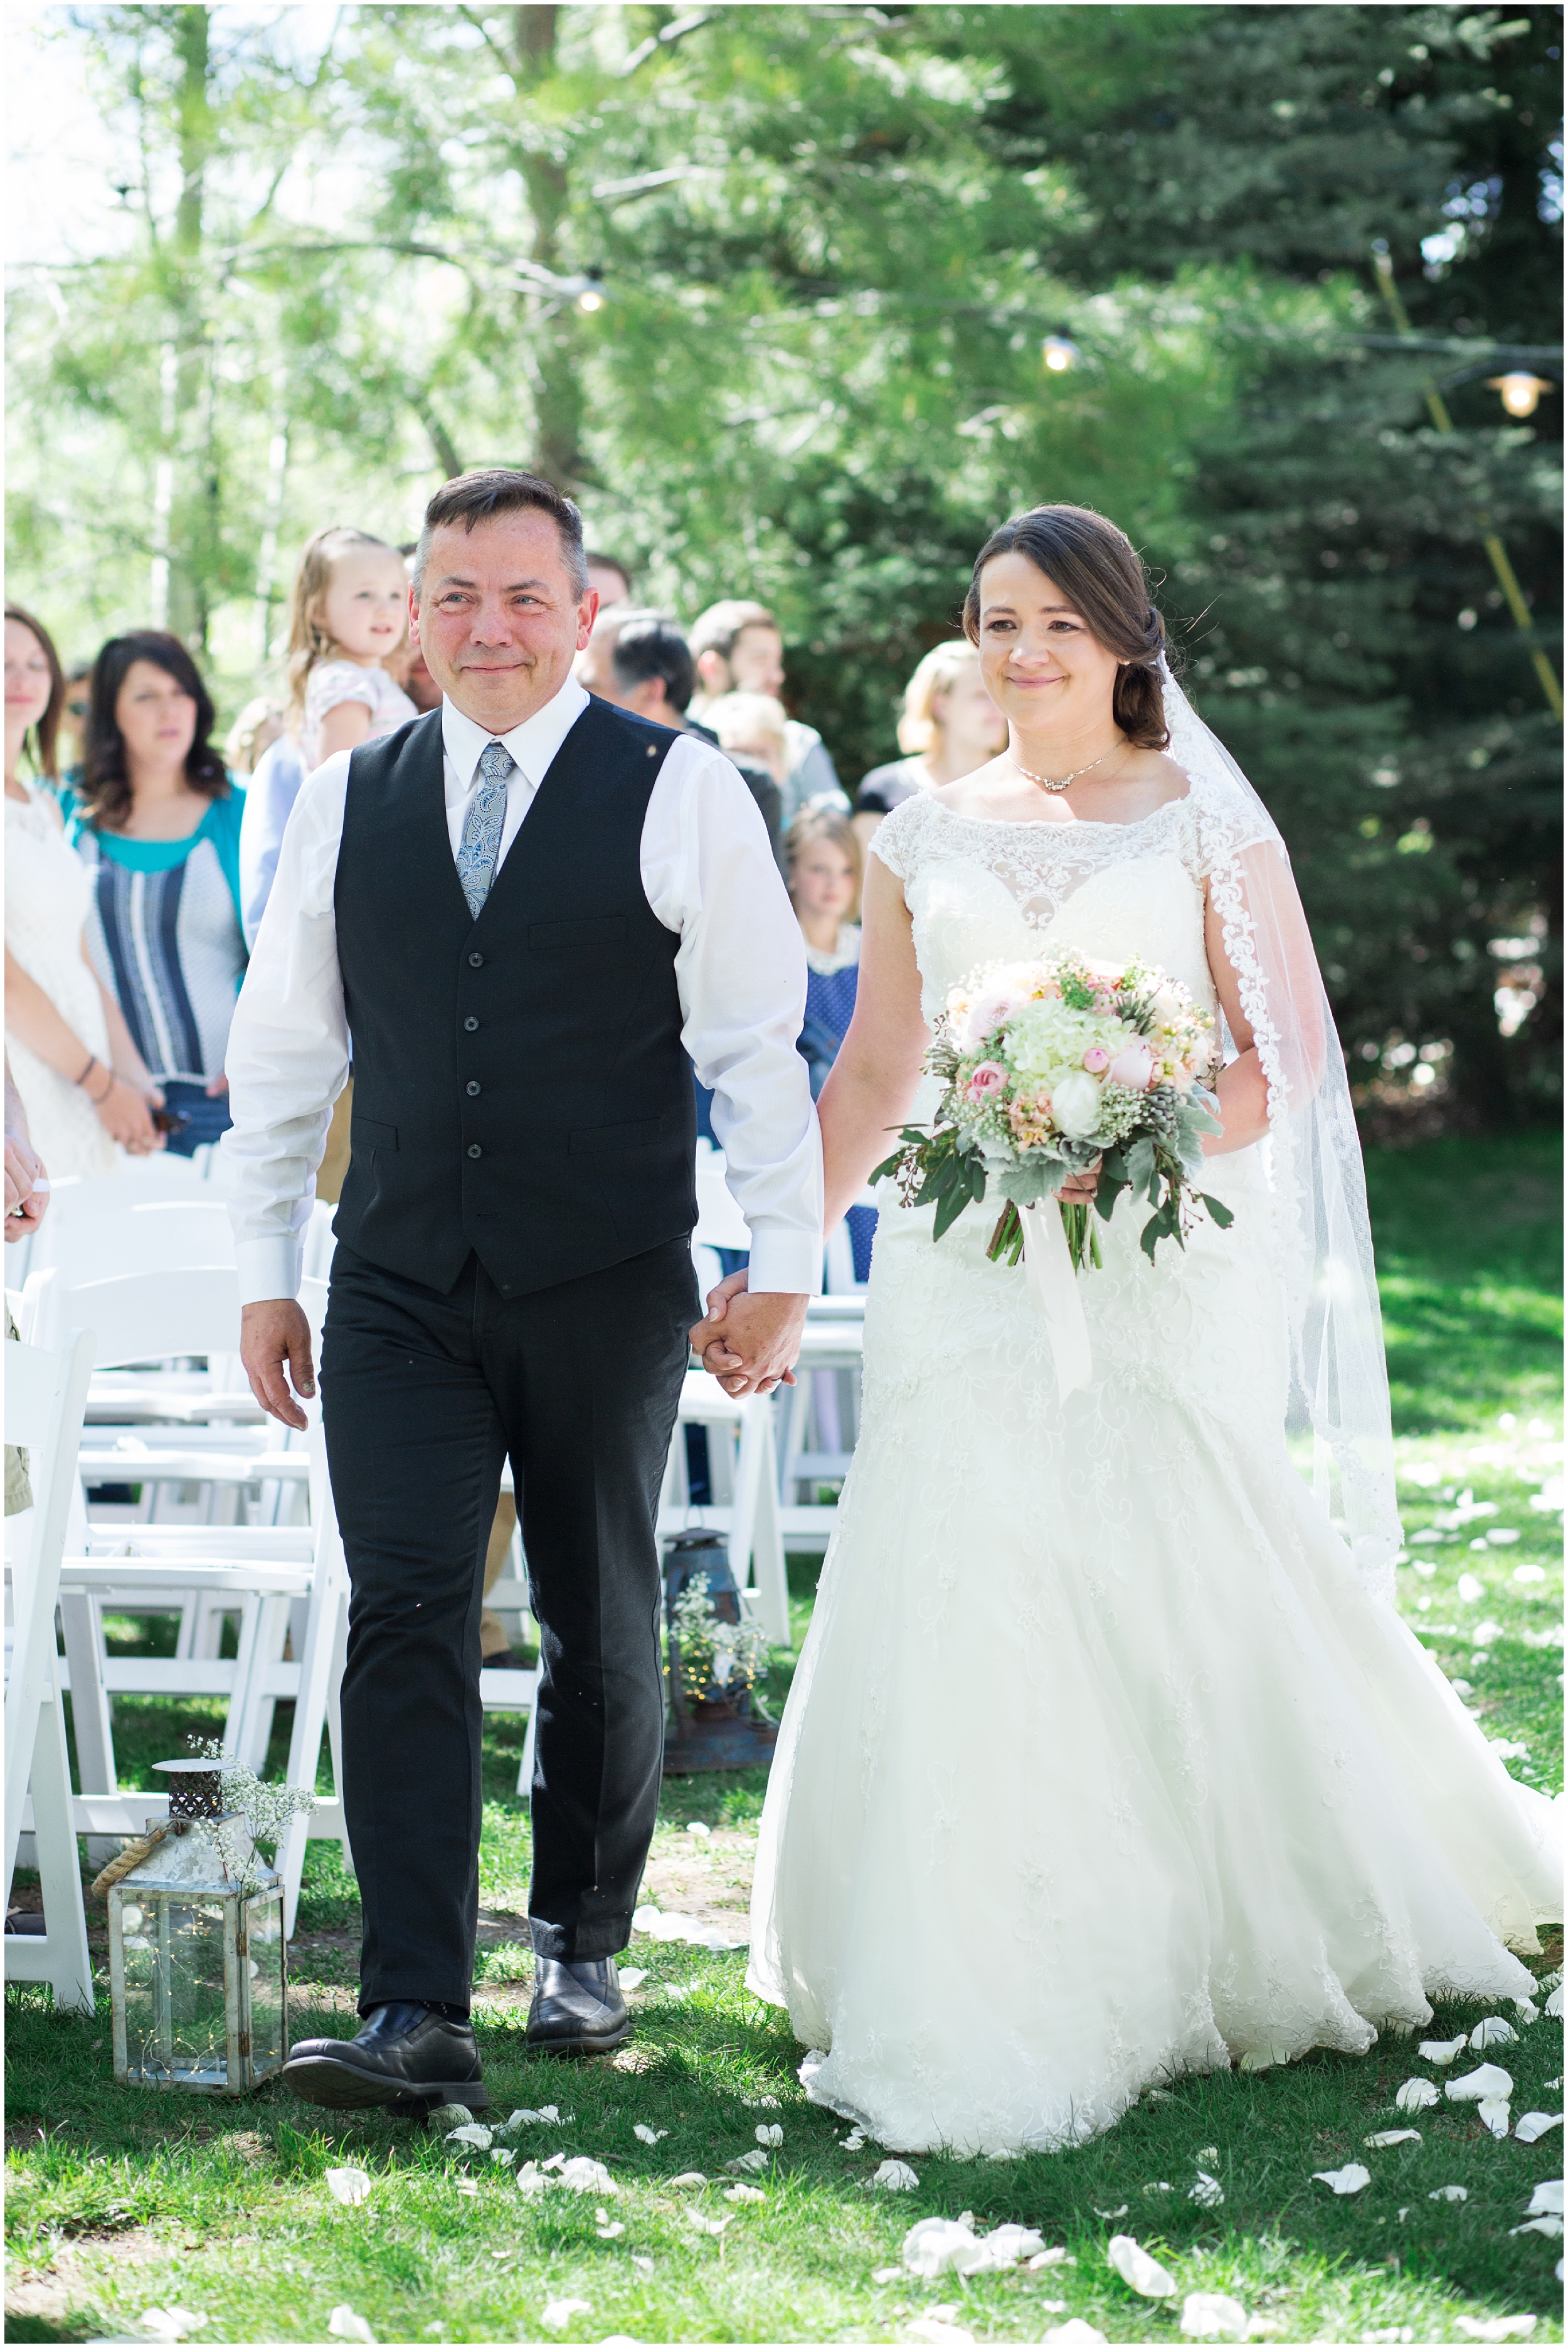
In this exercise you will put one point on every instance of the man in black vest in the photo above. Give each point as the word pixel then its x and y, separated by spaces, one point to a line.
pixel 526 908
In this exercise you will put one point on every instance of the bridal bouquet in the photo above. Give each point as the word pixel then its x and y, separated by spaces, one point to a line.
pixel 1047 1066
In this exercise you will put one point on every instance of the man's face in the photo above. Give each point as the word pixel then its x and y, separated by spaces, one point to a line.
pixel 756 662
pixel 497 618
pixel 609 583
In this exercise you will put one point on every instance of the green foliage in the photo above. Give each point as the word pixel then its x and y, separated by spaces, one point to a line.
pixel 825 244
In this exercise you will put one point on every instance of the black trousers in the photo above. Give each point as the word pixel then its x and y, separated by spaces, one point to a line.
pixel 424 1395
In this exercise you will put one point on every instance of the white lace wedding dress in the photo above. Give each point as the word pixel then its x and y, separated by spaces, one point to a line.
pixel 1099 1765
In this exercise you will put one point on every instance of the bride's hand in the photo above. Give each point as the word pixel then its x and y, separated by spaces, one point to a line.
pixel 1080 1190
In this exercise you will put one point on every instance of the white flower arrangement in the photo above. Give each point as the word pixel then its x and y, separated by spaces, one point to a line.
pixel 713 1655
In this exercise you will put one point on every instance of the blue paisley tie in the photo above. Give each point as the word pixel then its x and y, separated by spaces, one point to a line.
pixel 484 825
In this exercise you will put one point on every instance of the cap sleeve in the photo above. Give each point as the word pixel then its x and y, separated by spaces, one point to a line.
pixel 336 682
pixel 896 838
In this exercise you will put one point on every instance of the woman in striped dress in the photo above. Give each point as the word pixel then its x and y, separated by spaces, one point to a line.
pixel 157 821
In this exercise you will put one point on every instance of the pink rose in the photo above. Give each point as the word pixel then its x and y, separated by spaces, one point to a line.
pixel 1133 1067
pixel 1096 1059
pixel 986 1079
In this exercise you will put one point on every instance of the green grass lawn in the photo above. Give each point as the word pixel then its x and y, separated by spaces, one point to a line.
pixel 121 2200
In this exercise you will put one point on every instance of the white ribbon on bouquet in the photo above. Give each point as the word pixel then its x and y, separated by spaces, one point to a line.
pixel 1053 1285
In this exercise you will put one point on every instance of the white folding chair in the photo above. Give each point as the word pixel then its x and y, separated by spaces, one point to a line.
pixel 743 1474
pixel 46 1394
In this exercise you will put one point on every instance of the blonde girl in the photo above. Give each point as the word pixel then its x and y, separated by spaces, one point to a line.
pixel 949 725
pixel 348 615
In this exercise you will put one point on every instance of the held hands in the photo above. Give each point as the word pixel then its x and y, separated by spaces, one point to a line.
pixel 125 1115
pixel 272 1334
pixel 748 1343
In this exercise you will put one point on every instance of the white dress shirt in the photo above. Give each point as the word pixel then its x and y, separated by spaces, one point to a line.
pixel 708 874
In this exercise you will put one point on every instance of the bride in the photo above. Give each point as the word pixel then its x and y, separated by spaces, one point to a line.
pixel 1108 1756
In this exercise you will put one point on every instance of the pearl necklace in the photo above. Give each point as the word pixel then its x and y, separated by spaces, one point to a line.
pixel 1044 780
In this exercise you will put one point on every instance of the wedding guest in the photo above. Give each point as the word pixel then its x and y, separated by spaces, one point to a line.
pixel 641 662
pixel 157 822
pixel 738 648
pixel 825 875
pixel 257 728
pixel 609 578
pixel 949 726
pixel 81 1083
pixel 268 796
pixel 412 672
pixel 348 615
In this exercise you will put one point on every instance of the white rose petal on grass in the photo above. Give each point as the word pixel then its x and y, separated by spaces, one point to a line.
pixel 1450 2193
pixel 1415 2096
pixel 1386 2136
pixel 706 2225
pixel 769 2132
pixel 894 2176
pixel 1109 2215
pixel 688 2177
pixel 581 2174
pixel 451 2116
pixel 1137 2269
pixel 1554 2003
pixel 1494 2032
pixel 931 2330
pixel 611 2231
pixel 645 2135
pixel 746 2162
pixel 503 2153
pixel 644 2266
pixel 344 2324
pixel 348 2185
pixel 744 2193
pixel 1526 2011
pixel 1443 2051
pixel 1208 2192
pixel 170 2323
pixel 632 1978
pixel 1551 2227
pixel 1493 2113
pixel 1050 2259
pixel 855 2141
pixel 558 2312
pixel 1352 2178
pixel 1532 2125
pixel 1075 2333
pixel 480 2136
pixel 1547 2198
pixel 1487 2081
pixel 1210 2315
pixel 761 2103
pixel 1495 2327
pixel 697 1827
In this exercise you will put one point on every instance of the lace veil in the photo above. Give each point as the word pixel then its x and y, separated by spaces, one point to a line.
pixel 1340 1380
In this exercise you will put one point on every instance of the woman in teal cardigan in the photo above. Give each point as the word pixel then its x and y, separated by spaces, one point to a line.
pixel 158 819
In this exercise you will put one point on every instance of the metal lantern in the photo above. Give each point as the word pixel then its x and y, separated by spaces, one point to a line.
pixel 717 1728
pixel 198 1975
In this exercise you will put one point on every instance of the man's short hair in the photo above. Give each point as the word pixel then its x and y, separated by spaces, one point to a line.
pixel 472 498
pixel 608 563
pixel 648 643
pixel 721 623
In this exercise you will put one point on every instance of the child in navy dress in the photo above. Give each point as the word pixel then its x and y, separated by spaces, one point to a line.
pixel 823 860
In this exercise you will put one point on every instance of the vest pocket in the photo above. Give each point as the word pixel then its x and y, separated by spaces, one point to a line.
pixel 364 1133
pixel 617 1139
pixel 557 937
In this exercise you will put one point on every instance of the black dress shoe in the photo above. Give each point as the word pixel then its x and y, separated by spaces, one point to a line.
pixel 576 2007
pixel 407 2054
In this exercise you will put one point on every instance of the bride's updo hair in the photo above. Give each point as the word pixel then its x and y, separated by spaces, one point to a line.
pixel 1098 569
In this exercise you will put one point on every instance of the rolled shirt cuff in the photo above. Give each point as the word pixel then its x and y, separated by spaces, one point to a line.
pixel 784 1262
pixel 268 1268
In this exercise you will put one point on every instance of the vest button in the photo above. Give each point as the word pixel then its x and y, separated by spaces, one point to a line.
pixel 471 1023
pixel 475 961
pixel 475 1150
pixel 473 1090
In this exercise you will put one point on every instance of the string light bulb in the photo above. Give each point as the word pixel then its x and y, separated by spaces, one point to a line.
pixel 593 297
pixel 1520 394
pixel 1059 354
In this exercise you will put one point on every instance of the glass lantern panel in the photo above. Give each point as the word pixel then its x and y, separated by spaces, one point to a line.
pixel 264 1967
pixel 176 2020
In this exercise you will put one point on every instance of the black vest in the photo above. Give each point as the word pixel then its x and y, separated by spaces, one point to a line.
pixel 519 1085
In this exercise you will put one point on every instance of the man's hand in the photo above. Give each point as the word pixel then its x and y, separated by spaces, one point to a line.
pixel 271 1335
pixel 748 1343
pixel 25 1204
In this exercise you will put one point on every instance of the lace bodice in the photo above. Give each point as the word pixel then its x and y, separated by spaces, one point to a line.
pixel 982 891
